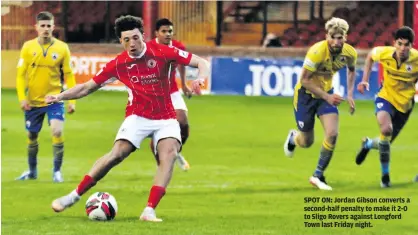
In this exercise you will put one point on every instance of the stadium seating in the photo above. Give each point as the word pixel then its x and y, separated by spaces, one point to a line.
pixel 371 24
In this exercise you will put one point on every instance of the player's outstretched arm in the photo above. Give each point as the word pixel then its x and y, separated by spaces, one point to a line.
pixel 351 77
pixel 21 85
pixel 184 87
pixel 203 66
pixel 76 92
pixel 368 63
pixel 306 81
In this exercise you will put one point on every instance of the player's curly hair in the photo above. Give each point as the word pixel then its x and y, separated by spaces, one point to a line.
pixel 128 22
pixel 44 15
pixel 162 22
pixel 336 25
pixel 405 32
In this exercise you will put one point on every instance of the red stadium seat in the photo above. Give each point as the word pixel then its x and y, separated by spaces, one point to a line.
pixel 300 43
pixel 379 43
pixel 305 35
pixel 363 44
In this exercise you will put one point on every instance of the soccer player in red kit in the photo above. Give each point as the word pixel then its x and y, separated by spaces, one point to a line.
pixel 143 68
pixel 164 35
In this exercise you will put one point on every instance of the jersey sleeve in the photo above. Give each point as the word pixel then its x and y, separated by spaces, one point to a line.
pixel 377 52
pixel 106 74
pixel 352 61
pixel 22 66
pixel 177 55
pixel 181 46
pixel 313 58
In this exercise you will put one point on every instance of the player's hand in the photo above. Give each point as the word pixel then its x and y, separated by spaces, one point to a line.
pixel 186 91
pixel 361 86
pixel 24 105
pixel 71 108
pixel 352 104
pixel 49 99
pixel 197 85
pixel 334 99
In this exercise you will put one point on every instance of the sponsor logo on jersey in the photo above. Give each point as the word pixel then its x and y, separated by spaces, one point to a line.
pixel 408 67
pixel 151 63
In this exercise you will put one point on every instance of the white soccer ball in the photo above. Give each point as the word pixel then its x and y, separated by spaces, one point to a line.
pixel 101 206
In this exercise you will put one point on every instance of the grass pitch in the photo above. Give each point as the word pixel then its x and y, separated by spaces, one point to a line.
pixel 240 182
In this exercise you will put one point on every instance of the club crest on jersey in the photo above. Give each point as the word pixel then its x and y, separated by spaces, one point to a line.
pixel 379 105
pixel 408 68
pixel 342 58
pixel 151 63
pixel 34 53
pixel 54 56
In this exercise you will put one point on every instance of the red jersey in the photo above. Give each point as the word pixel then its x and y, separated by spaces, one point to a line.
pixel 146 78
pixel 173 83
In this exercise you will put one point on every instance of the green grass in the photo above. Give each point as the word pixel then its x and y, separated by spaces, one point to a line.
pixel 240 181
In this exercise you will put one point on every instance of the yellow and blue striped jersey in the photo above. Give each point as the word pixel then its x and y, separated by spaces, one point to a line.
pixel 41 71
pixel 398 80
pixel 320 61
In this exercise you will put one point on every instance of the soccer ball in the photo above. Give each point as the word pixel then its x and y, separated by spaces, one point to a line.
pixel 101 206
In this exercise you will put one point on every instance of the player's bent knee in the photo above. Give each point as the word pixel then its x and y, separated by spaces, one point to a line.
pixel 332 137
pixel 57 132
pixel 309 142
pixel 171 152
pixel 386 130
pixel 168 149
pixel 306 139
pixel 33 136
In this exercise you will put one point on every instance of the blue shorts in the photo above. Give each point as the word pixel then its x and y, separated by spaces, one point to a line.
pixel 307 107
pixel 34 118
pixel 398 118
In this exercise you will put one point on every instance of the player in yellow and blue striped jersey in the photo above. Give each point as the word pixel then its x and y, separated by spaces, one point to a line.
pixel 314 95
pixel 43 67
pixel 395 100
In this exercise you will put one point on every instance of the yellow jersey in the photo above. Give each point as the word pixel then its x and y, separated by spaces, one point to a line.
pixel 398 86
pixel 324 65
pixel 41 70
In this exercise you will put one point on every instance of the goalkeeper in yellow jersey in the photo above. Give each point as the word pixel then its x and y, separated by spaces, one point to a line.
pixel 395 100
pixel 43 67
pixel 314 96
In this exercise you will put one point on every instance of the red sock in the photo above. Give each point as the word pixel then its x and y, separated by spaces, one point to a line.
pixel 85 185
pixel 155 195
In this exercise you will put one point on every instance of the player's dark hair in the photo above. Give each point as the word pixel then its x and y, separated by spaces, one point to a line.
pixel 44 15
pixel 163 22
pixel 405 33
pixel 128 22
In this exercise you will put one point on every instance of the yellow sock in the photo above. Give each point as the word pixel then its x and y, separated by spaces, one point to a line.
pixel 32 142
pixel 384 138
pixel 327 145
pixel 57 140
